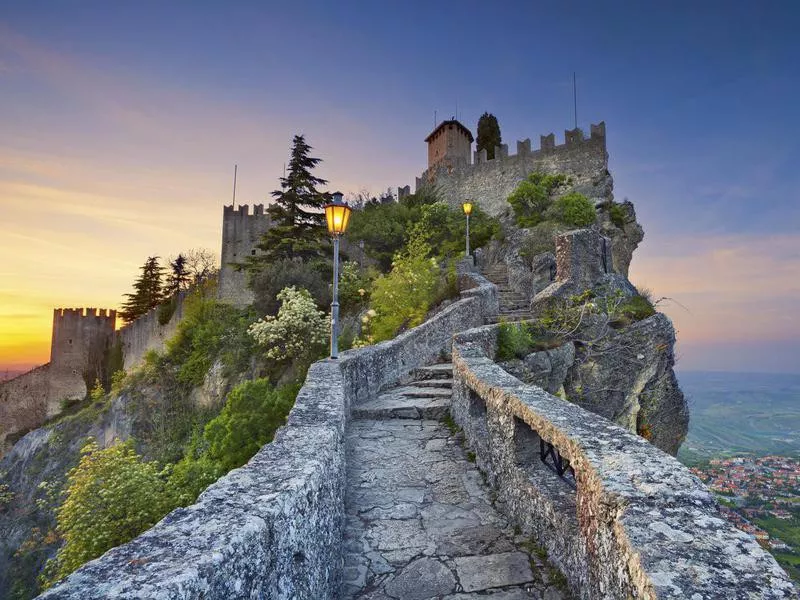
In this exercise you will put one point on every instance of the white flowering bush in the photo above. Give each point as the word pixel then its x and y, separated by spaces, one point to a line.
pixel 299 331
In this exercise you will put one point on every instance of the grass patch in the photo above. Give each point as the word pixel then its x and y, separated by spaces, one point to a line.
pixel 448 422
pixel 471 456
pixel 517 340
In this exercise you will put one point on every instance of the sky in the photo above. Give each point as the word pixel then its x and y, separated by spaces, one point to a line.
pixel 120 123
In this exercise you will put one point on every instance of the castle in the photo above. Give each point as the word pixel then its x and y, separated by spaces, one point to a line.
pixel 458 173
pixel 80 336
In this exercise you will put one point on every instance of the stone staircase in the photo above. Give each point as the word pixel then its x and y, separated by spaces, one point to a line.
pixel 420 520
pixel 427 396
pixel 513 305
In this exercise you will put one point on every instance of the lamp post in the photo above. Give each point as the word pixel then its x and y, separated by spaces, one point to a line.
pixel 467 206
pixel 337 214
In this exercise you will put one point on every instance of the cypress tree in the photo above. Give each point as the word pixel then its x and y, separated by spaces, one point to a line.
pixel 298 220
pixel 488 134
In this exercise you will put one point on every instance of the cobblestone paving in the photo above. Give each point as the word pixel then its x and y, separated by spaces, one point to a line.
pixel 420 520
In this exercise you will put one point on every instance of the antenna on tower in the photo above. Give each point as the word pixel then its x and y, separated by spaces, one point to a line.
pixel 575 98
pixel 434 118
pixel 235 169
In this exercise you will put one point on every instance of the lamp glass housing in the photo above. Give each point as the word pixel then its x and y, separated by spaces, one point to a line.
pixel 337 215
pixel 467 206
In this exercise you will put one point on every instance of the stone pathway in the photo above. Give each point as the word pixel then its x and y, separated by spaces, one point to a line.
pixel 420 520
pixel 513 305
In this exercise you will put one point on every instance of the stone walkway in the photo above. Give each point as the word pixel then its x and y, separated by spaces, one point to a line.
pixel 420 520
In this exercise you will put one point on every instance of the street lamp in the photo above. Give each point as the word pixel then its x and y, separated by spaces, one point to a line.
pixel 467 206
pixel 337 214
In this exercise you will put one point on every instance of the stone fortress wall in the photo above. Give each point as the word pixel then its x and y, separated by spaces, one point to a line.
pixel 489 182
pixel 241 232
pixel 79 339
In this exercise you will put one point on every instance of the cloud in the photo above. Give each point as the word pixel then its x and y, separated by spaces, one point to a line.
pixel 735 288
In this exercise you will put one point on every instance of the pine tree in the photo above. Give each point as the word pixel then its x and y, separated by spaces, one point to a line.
pixel 179 277
pixel 147 293
pixel 298 229
pixel 488 134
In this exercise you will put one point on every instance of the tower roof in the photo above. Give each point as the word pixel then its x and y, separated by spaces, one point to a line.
pixel 458 124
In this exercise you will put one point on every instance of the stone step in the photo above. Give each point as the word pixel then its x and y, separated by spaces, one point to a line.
pixel 433 383
pixel 509 318
pixel 413 391
pixel 438 371
pixel 390 405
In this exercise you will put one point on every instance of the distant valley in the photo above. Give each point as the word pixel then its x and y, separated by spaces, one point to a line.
pixel 741 414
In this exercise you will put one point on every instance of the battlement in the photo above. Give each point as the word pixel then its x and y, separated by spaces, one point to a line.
pixel 242 211
pixel 83 313
pixel 573 138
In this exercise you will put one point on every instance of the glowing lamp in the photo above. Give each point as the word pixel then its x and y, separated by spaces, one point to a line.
pixel 337 213
pixel 467 206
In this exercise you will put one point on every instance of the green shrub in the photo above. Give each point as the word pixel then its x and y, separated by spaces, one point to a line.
pixel 514 340
pixel 573 209
pixel 314 276
pixel 355 285
pixel 253 412
pixel 618 215
pixel 209 330
pixel 166 310
pixel 402 297
pixel 533 196
pixel 111 497
pixel 637 308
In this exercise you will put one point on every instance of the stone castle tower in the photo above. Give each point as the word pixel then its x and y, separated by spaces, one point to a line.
pixel 449 145
pixel 241 232
pixel 80 339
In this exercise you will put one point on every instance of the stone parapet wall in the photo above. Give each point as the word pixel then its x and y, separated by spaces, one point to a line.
pixel 274 527
pixel 630 522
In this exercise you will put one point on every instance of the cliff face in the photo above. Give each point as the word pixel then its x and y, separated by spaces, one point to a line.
pixel 618 356
pixel 36 467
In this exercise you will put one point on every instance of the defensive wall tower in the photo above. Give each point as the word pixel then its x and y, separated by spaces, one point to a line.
pixel 80 338
pixel 489 182
pixel 449 145
pixel 241 232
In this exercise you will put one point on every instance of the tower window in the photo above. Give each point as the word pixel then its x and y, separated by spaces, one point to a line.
pixel 70 341
pixel 253 252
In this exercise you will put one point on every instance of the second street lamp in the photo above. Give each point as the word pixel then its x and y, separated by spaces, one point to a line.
pixel 467 206
pixel 337 214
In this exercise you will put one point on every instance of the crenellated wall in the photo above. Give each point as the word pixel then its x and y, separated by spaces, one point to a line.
pixel 274 527
pixel 241 232
pixel 23 404
pixel 626 520
pixel 489 182
pixel 146 333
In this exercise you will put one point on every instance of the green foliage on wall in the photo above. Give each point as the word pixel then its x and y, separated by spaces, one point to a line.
pixel 573 209
pixel 533 196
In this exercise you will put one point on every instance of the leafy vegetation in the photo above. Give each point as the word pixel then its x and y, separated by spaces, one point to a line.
pixel 488 134
pixel 249 419
pixel 573 209
pixel 533 202
pixel 111 497
pixel 517 340
pixel 533 196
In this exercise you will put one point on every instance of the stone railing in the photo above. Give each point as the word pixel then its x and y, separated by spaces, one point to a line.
pixel 273 528
pixel 624 519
